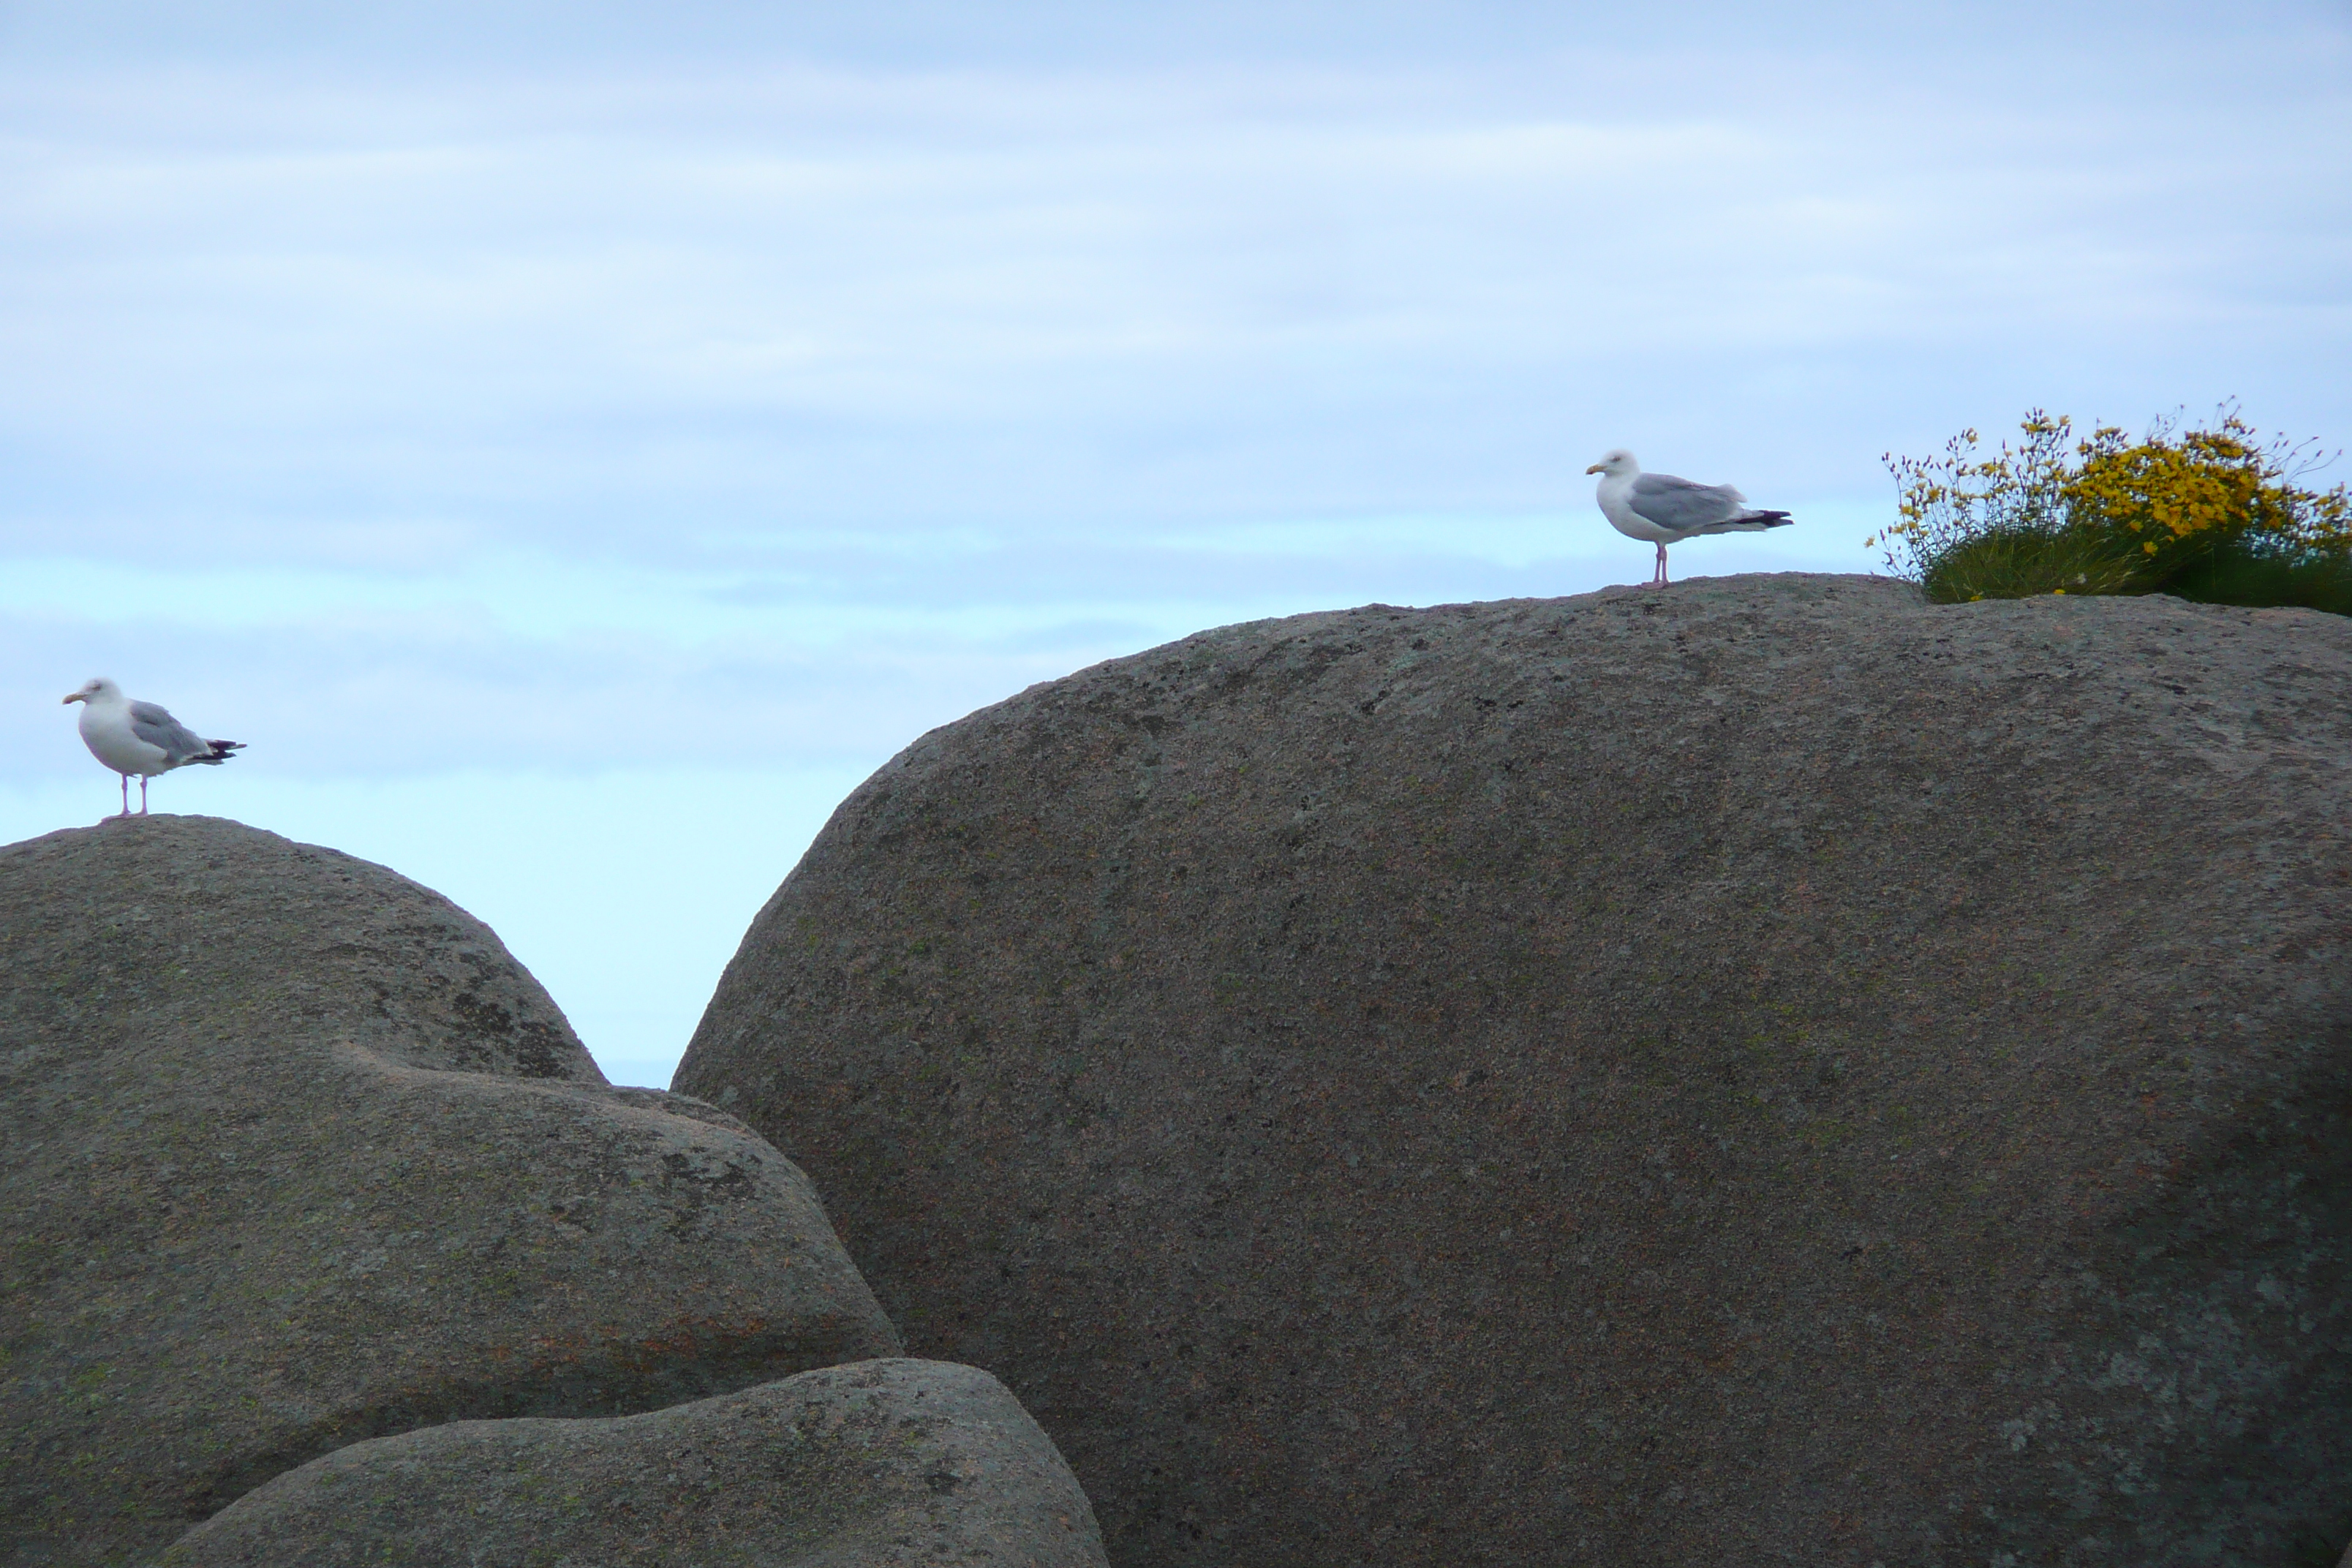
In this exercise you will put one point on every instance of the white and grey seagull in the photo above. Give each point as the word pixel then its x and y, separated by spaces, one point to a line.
pixel 1665 511
pixel 140 738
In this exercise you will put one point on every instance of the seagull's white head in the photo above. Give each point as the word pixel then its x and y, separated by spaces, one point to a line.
pixel 95 688
pixel 1615 462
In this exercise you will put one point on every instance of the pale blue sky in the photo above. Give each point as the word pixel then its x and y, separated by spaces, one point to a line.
pixel 573 444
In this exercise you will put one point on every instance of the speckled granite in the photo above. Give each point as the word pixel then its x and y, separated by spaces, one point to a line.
pixel 296 1155
pixel 1764 1071
pixel 880 1464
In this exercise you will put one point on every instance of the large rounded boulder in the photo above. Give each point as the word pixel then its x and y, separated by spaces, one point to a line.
pixel 296 1155
pixel 878 1464
pixel 1764 1070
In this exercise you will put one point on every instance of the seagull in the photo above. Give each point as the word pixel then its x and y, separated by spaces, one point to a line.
pixel 1666 511
pixel 140 738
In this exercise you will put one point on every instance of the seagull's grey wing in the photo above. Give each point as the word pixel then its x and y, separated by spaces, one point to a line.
pixel 156 726
pixel 1682 505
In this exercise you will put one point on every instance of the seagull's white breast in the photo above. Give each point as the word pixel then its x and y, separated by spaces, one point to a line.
pixel 1615 496
pixel 106 730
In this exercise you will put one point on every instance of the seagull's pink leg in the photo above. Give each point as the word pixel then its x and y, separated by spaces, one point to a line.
pixel 142 796
pixel 1659 576
pixel 126 794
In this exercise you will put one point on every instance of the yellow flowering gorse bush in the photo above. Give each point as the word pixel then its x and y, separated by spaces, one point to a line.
pixel 2161 494
pixel 2105 513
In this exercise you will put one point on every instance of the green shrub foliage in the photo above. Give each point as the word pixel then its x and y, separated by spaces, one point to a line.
pixel 2214 513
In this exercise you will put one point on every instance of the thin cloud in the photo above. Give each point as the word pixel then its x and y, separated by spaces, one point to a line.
pixel 576 308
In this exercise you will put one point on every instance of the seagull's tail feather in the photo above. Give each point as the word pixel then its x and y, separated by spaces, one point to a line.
pixel 219 751
pixel 1753 520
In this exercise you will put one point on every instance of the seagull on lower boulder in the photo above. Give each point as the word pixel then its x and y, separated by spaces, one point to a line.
pixel 140 738
pixel 1665 511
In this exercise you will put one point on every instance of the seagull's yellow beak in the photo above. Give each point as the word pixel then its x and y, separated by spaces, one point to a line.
pixel 73 696
pixel 1595 469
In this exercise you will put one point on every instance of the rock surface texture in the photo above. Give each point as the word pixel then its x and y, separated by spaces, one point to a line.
pixel 296 1155
pixel 880 1464
pixel 1768 1071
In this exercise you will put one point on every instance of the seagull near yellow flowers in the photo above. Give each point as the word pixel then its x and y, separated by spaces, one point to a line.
pixel 1665 511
